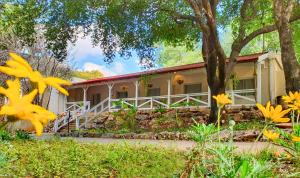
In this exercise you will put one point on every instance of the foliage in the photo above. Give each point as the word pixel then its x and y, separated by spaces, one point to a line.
pixel 216 160
pixel 21 135
pixel 253 124
pixel 5 135
pixel 201 133
pixel 87 74
pixel 179 55
pixel 125 117
pixel 67 158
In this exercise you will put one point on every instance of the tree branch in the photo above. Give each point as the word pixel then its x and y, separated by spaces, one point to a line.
pixel 263 30
pixel 177 15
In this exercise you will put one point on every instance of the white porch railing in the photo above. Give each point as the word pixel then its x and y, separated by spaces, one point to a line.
pixel 83 113
pixel 71 106
pixel 242 97
pixel 172 101
pixel 73 110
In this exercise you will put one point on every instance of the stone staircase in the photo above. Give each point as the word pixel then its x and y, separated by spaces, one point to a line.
pixel 72 126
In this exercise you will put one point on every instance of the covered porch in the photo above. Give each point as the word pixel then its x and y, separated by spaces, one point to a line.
pixel 186 88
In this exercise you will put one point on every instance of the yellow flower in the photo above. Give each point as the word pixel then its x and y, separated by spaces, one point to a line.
pixel 295 138
pixel 274 114
pixel 292 97
pixel 293 100
pixel 271 135
pixel 222 100
pixel 21 107
pixel 20 68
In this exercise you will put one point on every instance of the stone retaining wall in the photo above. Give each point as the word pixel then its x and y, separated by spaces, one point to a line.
pixel 167 119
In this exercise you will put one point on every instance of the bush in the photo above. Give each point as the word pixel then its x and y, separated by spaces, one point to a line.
pixel 5 135
pixel 21 135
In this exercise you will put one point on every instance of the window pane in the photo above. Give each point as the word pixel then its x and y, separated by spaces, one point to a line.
pixel 192 88
pixel 96 98
pixel 153 92
pixel 246 84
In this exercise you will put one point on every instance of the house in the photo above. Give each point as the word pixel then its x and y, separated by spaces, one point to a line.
pixel 57 101
pixel 256 78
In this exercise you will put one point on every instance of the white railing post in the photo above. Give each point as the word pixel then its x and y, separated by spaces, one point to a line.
pixel 55 126
pixel 208 97
pixel 77 122
pixel 232 97
pixel 84 97
pixel 151 103
pixel 136 93
pixel 169 93
pixel 110 86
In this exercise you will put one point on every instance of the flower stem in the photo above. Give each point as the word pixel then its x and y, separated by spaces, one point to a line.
pixel 219 122
pixel 293 117
pixel 298 118
pixel 260 134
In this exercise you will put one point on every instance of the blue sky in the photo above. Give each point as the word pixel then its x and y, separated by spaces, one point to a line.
pixel 83 56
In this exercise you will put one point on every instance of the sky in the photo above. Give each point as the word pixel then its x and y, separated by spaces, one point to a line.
pixel 83 56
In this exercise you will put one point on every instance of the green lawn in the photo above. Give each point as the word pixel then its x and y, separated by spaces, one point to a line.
pixel 71 159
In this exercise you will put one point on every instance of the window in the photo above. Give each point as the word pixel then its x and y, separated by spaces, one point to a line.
pixel 153 92
pixel 96 98
pixel 192 88
pixel 245 84
pixel 122 94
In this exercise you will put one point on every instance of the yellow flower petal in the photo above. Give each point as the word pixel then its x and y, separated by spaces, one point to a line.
pixel 29 97
pixel 7 110
pixel 37 125
pixel 41 86
pixel 295 138
pixel 271 135
pixel 20 60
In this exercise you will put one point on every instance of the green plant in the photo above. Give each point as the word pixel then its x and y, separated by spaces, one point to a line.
pixel 21 135
pixel 5 135
pixel 202 132
pixel 3 160
pixel 160 109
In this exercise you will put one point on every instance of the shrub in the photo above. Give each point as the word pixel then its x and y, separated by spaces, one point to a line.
pixel 21 135
pixel 5 135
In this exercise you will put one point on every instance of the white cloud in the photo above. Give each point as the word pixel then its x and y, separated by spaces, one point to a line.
pixel 119 67
pixel 103 69
pixel 83 47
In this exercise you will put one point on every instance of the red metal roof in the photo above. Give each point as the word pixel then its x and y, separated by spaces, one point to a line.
pixel 241 59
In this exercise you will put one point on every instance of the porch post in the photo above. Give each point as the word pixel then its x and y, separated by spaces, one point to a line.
pixel 258 87
pixel 65 103
pixel 136 93
pixel 84 98
pixel 169 93
pixel 110 86
pixel 208 97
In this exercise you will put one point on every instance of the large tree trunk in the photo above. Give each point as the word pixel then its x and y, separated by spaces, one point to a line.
pixel 215 75
pixel 282 14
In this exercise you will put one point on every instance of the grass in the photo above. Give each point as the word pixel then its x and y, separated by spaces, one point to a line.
pixel 253 124
pixel 68 158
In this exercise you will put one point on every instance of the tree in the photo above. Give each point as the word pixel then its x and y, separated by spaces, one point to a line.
pixel 29 42
pixel 120 26
pixel 87 74
pixel 283 11
pixel 179 55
